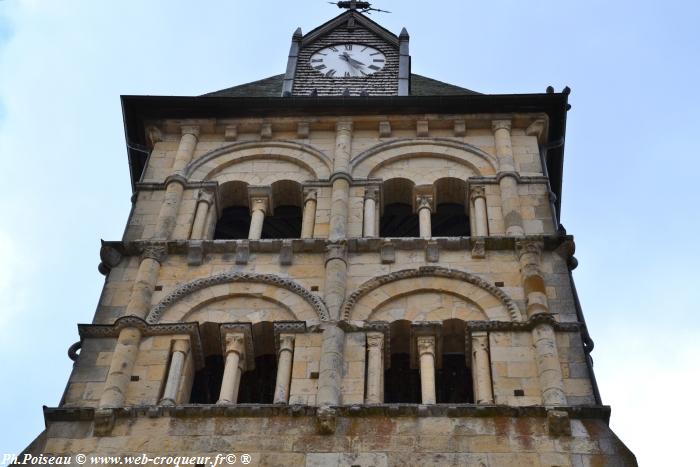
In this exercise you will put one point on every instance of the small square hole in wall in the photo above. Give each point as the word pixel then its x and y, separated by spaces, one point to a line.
pixel 314 288
pixel 134 378
pixel 499 284
pixel 313 375
pixel 158 288
pixel 518 392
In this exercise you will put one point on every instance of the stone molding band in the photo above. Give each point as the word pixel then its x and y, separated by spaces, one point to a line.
pixel 147 330
pixel 188 288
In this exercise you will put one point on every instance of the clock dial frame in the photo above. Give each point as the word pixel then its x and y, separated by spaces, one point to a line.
pixel 348 60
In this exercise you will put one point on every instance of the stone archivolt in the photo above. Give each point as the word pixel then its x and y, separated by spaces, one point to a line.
pixel 369 161
pixel 208 165
pixel 184 290
pixel 426 272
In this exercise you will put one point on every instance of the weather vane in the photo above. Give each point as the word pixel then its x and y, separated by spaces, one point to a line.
pixel 362 7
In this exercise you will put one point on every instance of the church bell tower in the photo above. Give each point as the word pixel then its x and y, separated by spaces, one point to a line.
pixel 342 264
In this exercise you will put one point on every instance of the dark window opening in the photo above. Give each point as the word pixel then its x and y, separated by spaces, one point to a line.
pixel 398 220
pixel 207 381
pixel 233 224
pixel 401 382
pixel 449 220
pixel 285 223
pixel 453 382
pixel 258 385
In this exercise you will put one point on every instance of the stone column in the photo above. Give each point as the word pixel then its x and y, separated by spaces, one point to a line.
pixel 233 369
pixel 481 368
pixel 126 350
pixel 204 201
pixel 478 197
pixel 508 182
pixel 284 369
pixel 309 217
pixel 369 221
pixel 341 181
pixel 180 349
pixel 547 356
pixel 375 368
pixel 331 366
pixel 258 208
pixel 424 208
pixel 175 184
pixel 426 356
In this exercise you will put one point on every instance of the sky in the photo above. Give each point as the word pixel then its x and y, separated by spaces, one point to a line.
pixel 630 194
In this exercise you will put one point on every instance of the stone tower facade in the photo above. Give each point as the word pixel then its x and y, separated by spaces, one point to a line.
pixel 357 268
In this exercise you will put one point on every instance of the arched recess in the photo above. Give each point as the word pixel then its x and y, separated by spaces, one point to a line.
pixel 419 156
pixel 228 293
pixel 257 163
pixel 427 294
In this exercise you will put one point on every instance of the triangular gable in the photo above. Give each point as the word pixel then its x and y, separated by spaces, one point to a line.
pixel 343 18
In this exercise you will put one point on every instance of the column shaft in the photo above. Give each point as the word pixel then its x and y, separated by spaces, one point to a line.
pixel 284 369
pixel 256 224
pixel 142 291
pixel 331 367
pixel 200 220
pixel 185 150
pixel 548 366
pixel 339 209
pixel 480 219
pixel 481 368
pixel 369 221
pixel 424 222
pixel 375 368
pixel 177 364
pixel 120 368
pixel 426 352
pixel 509 185
pixel 228 394
pixel 309 217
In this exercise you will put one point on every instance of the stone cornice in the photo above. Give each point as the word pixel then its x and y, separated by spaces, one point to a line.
pixel 112 330
pixel 87 414
pixel 119 249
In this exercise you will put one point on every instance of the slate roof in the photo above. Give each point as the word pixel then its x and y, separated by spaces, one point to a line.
pixel 272 87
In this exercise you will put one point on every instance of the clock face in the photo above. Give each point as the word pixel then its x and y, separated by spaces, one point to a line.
pixel 347 60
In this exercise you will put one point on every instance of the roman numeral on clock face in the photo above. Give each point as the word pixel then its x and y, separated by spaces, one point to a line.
pixel 330 73
pixel 374 67
pixel 320 67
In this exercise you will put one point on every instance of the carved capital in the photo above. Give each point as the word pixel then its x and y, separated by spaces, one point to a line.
pixel 104 421
pixel 500 125
pixel 425 345
pixel 205 196
pixel 375 340
pixel 537 129
pixel 326 420
pixel 190 130
pixel 155 252
pixel 424 202
pixel 310 194
pixel 477 191
pixel 153 135
pixel 286 342
pixel 372 192
pixel 231 132
pixel 260 198
pixel 528 247
pixel 235 342
pixel 343 127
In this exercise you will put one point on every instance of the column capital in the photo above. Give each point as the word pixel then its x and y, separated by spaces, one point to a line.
pixel 375 340
pixel 425 345
pixel 190 130
pixel 310 194
pixel 155 252
pixel 529 246
pixel 372 192
pixel 286 342
pixel 235 342
pixel 260 198
pixel 343 126
pixel 500 125
pixel 238 337
pixel 424 202
pixel 477 191
pixel 181 345
pixel 205 196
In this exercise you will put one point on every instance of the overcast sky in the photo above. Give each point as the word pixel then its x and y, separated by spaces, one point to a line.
pixel 630 193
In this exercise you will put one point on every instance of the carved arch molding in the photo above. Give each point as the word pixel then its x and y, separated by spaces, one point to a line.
pixel 189 288
pixel 430 271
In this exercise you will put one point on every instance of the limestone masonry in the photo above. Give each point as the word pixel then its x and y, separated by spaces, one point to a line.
pixel 328 269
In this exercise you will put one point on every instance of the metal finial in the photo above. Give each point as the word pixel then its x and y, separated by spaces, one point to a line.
pixel 362 7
